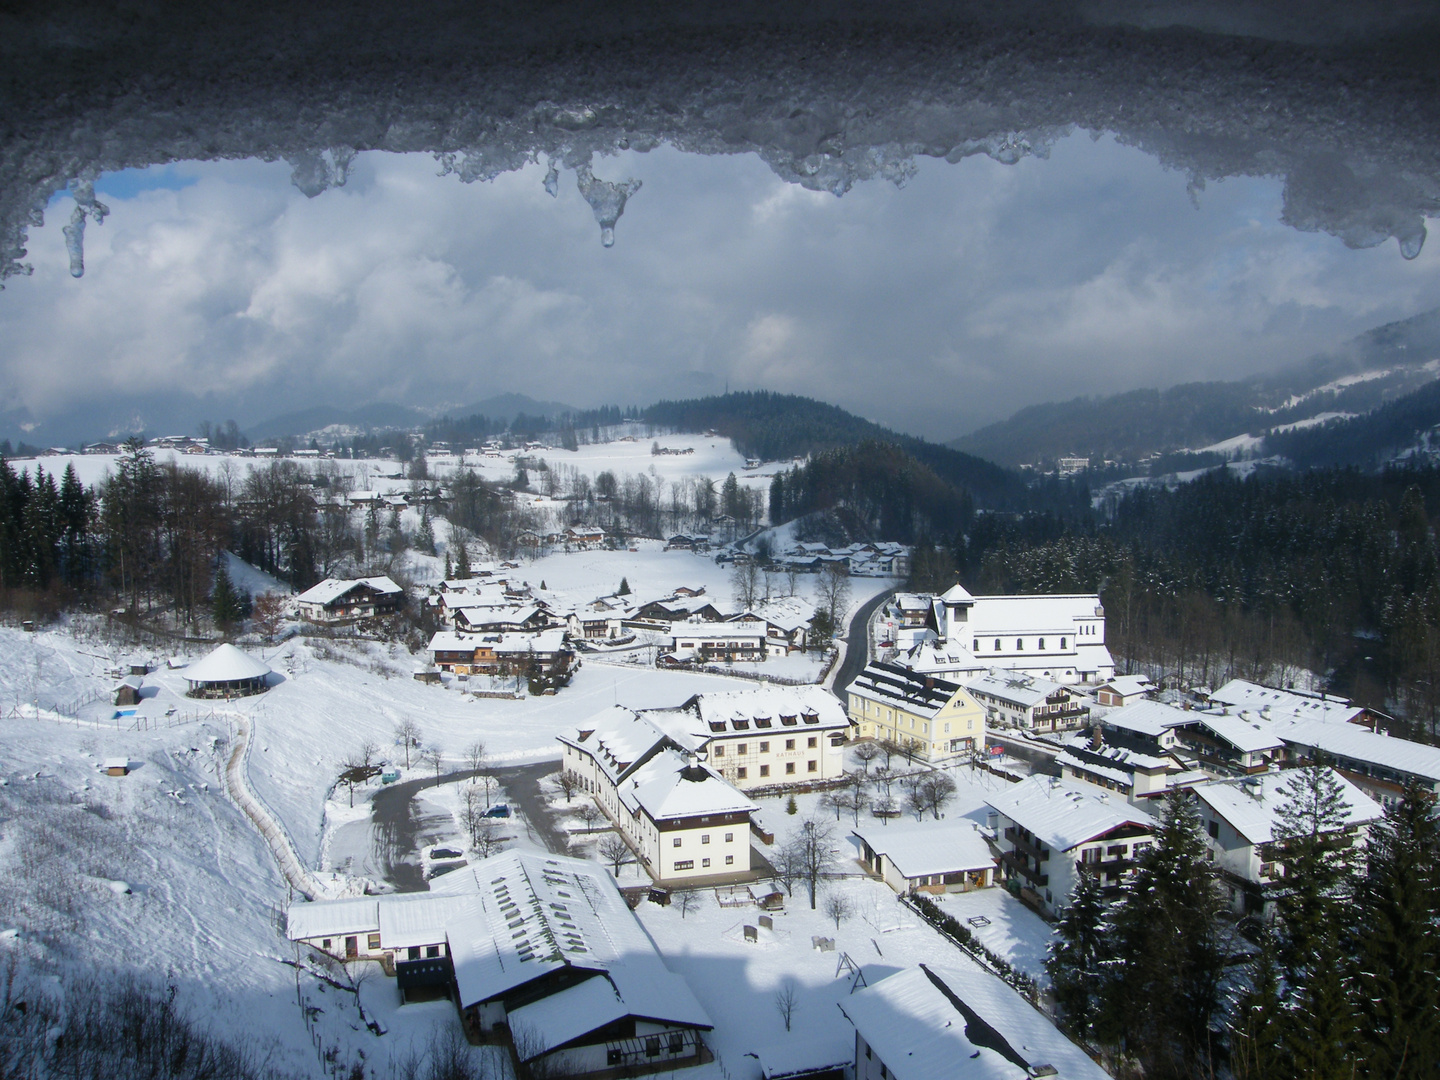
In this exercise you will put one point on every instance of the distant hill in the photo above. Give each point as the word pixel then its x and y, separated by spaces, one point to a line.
pixel 1379 366
pixel 381 417
pixel 1399 428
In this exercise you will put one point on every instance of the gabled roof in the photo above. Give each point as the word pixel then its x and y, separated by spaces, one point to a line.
pixel 930 847
pixel 1295 704
pixel 1016 687
pixel 1401 756
pixel 1064 815
pixel 1152 718
pixel 1126 685
pixel 891 684
pixel 1246 736
pixel 1251 804
pixel 333 589
pixel 766 708
pixel 669 786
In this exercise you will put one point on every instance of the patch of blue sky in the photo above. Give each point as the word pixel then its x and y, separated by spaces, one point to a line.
pixel 127 183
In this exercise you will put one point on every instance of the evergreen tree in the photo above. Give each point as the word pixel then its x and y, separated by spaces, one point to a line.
pixel 624 589
pixel 1399 942
pixel 1315 907
pixel 225 602
pixel 1169 950
pixel 1078 955
pixel 462 560
pixel 1257 1037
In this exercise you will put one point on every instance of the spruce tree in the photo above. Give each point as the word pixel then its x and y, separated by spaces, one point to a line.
pixel 462 561
pixel 1079 954
pixel 1399 942
pixel 1257 1029
pixel 1169 943
pixel 1315 907
pixel 224 600
pixel 624 589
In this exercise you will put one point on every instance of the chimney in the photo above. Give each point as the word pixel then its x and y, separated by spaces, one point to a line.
pixel 1096 741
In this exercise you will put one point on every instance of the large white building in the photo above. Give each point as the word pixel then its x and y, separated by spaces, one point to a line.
pixel 1060 637
pixel 681 817
pixel 540 948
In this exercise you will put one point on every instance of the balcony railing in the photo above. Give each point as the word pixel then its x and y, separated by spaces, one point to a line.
pixel 1033 848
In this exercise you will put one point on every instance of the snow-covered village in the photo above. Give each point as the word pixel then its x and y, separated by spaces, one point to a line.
pixel 826 540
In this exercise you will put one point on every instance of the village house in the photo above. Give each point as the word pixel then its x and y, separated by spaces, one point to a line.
pixel 1124 690
pixel 742 640
pixel 538 951
pixel 768 737
pixel 1045 828
pixel 584 537
pixel 545 654
pixel 956 1021
pixel 1015 700
pixel 500 618
pixel 935 718
pixel 787 622
pixel 338 601
pixel 1379 765
pixel 691 606
pixel 1243 830
pixel 928 856
pixel 1270 703
pixel 683 820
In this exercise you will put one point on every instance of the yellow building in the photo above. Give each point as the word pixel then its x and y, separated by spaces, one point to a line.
pixel 935 716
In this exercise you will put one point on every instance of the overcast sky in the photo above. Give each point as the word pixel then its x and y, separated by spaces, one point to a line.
pixel 976 289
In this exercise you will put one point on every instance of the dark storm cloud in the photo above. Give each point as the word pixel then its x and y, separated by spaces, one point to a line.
pixel 974 290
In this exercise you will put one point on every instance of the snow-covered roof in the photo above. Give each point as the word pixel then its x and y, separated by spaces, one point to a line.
pixel 930 847
pixel 555 1020
pixel 1250 804
pixel 957 594
pixel 618 739
pixel 1126 685
pixel 1152 718
pixel 226 664
pixel 329 918
pixel 1039 614
pixel 1401 756
pixel 532 914
pixel 789 613
pixel 930 656
pixel 1078 749
pixel 332 589
pixel 669 786
pixel 408 919
pixel 919 1023
pixel 763 708
pixel 1298 704
pixel 1064 815
pixel 1015 687
pixel 892 685
pixel 740 628
pixel 1247 736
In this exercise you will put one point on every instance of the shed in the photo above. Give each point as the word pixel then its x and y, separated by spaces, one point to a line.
pixel 116 766
pixel 127 691
pixel 227 672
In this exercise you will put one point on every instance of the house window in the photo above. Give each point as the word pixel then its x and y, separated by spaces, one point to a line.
pixel 812 743
pixel 677 1043
pixel 764 770
pixel 719 750
pixel 1213 828
pixel 685 864
pixel 1062 643
pixel 997 644
pixel 325 944
pixel 812 766
pixel 729 838
pixel 1019 644
pixel 1042 644
pixel 729 860
pixel 704 838
pixel 741 748
pixel 789 744
pixel 789 768
pixel 373 942
pixel 652 1046
pixel 740 773
pixel 413 953
pixel 432 951
pixel 704 862
pixel 614 1057
pixel 764 748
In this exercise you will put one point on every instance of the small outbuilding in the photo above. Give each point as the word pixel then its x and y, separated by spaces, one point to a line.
pixel 931 857
pixel 227 672
pixel 116 766
pixel 127 691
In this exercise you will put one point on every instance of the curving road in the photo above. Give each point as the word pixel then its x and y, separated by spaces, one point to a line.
pixel 857 645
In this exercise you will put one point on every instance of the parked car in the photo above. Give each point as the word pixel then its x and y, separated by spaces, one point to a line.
pixel 498 810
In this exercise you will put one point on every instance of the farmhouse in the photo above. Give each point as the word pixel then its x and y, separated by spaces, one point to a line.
pixel 956 1021
pixel 1047 828
pixel 1241 824
pixel 937 719
pixel 930 856
pixel 686 823
pixel 787 622
pixel 339 601
pixel 719 642
pixel 537 950
pixel 227 673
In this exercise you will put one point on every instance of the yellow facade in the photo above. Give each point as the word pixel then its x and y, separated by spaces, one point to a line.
pixel 955 729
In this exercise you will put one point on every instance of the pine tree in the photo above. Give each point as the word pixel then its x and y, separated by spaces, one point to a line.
pixel 1078 955
pixel 1399 941
pixel 462 561
pixel 1315 910
pixel 225 601
pixel 624 589
pixel 1169 950
pixel 1257 1039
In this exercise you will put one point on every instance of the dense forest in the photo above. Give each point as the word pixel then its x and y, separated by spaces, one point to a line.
pixel 1334 571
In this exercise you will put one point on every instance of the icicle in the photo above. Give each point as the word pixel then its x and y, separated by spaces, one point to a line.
pixel 552 180
pixel 606 199
pixel 86 205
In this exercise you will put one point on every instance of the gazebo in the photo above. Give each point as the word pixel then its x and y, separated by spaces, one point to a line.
pixel 225 673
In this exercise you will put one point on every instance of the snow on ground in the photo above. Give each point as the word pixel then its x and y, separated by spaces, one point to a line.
pixel 252 579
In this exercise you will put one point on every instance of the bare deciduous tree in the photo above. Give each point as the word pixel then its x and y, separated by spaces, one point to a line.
pixel 407 734
pixel 433 757
pixel 686 902
pixel 616 852
pixel 475 758
pixel 589 815
pixel 810 854
pixel 267 611
pixel 865 753
pixel 838 907
pixel 787 1001
pixel 567 782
